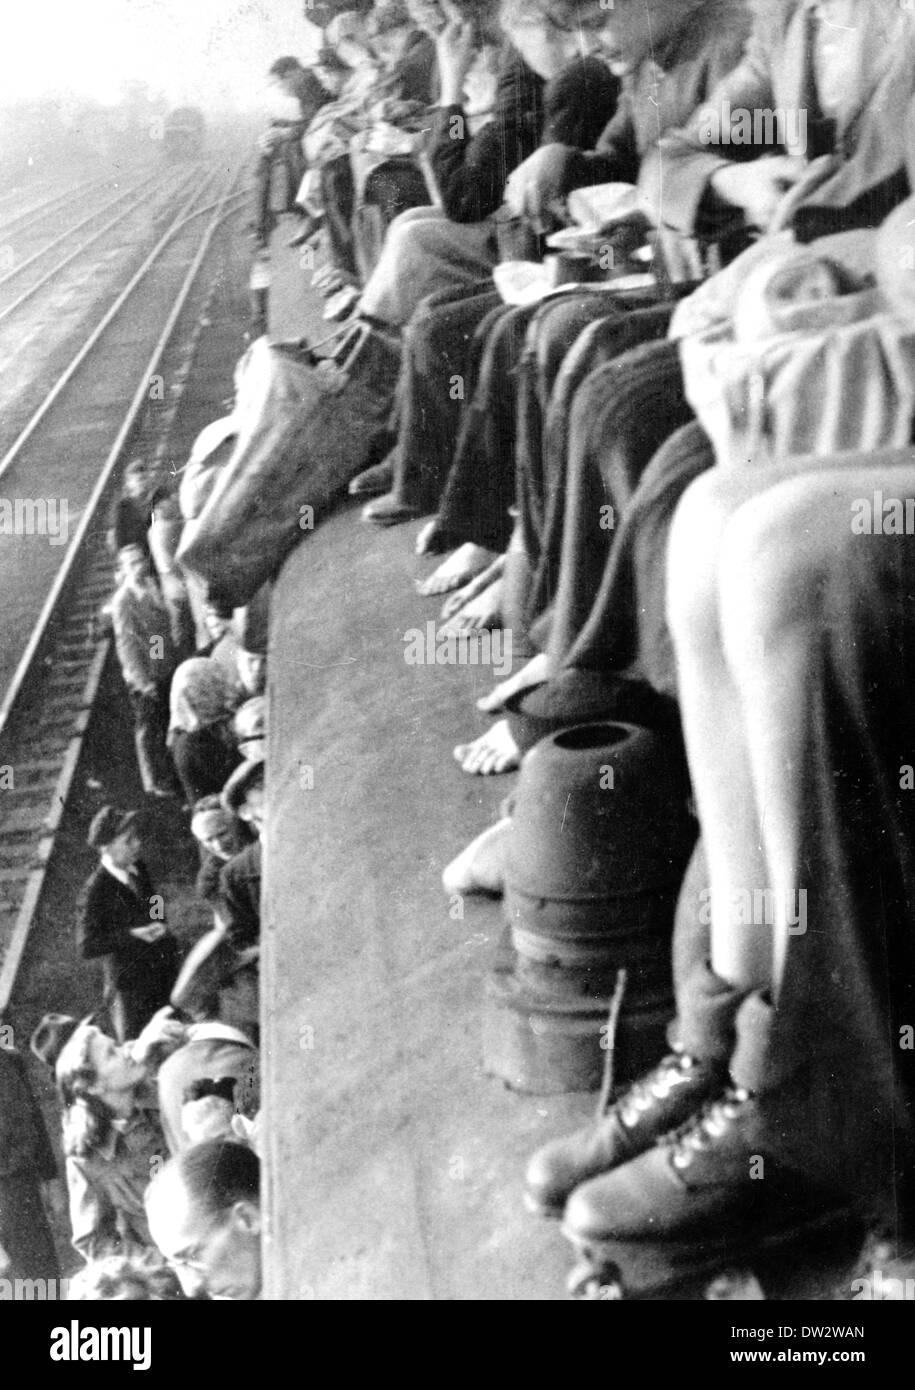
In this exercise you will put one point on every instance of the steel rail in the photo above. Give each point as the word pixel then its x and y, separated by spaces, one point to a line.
pixel 20 935
pixel 80 250
pixel 140 396
pixel 42 210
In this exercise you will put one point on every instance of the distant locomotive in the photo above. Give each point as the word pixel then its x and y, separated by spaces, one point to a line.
pixel 184 133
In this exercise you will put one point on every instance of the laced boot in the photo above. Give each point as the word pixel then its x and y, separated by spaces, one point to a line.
pixel 651 1107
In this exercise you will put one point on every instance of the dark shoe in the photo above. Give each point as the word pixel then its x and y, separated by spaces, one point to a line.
pixel 652 1107
pixel 388 511
pixel 710 1176
pixel 374 481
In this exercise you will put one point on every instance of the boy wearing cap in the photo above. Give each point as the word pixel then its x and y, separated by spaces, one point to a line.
pixel 116 924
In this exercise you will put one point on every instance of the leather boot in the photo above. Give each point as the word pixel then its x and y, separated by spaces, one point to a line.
pixel 676 1089
pixel 724 1170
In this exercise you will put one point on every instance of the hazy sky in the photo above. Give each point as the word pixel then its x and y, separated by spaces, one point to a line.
pixel 194 50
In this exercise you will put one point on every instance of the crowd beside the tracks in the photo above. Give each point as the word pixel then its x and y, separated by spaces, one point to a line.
pixel 730 386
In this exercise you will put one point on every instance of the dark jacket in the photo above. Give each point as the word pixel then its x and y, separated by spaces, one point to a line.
pixel 240 895
pixel 204 760
pixel 25 1150
pixel 471 171
pixel 109 910
pixel 662 93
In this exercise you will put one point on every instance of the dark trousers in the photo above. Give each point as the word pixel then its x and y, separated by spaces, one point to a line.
pixel 437 377
pixel 288 159
pixel 852 977
pixel 595 413
pixel 338 193
pixel 481 485
pixel 24 1231
pixel 150 718
pixel 136 995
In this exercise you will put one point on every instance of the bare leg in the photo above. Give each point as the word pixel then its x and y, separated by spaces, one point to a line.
pixel 775 553
pixel 713 725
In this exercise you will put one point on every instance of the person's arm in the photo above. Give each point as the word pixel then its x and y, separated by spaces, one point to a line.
pixel 615 158
pixel 471 171
pixel 234 909
pixel 579 103
pixel 706 186
pixel 92 1217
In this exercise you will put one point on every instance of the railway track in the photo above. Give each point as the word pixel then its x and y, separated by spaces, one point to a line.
pixel 27 218
pixel 128 202
pixel 62 463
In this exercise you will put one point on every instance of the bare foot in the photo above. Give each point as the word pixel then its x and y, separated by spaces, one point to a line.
pixel 477 615
pixel 468 560
pixel 476 586
pixel 478 868
pixel 493 752
pixel 536 670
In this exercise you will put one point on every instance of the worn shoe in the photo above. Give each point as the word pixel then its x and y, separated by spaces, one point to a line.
pixel 374 481
pixel 677 1088
pixel 709 1176
pixel 388 511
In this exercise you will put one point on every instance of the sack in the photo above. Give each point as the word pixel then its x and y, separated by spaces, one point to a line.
pixel 806 362
pixel 306 426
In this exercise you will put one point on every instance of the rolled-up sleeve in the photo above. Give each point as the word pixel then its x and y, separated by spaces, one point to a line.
pixel 92 1217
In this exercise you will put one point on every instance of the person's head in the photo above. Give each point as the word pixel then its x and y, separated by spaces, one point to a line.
pixel 137 478
pixel 115 834
pixel 124 1279
pixel 348 36
pixel 200 695
pixel 133 565
pixel 204 1215
pixel 243 795
pixel 252 671
pixel 639 26
pixel 215 828
pixel 390 28
pixel 97 1082
pixel 550 34
pixel 288 74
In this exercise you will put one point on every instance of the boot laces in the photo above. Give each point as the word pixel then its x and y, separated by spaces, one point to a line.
pixel 642 1095
pixel 711 1123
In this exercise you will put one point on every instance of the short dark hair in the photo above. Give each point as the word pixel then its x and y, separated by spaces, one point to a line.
pixel 218 1173
pixel 284 66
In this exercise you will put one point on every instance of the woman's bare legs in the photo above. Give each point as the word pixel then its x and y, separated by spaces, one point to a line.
pixel 775 552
